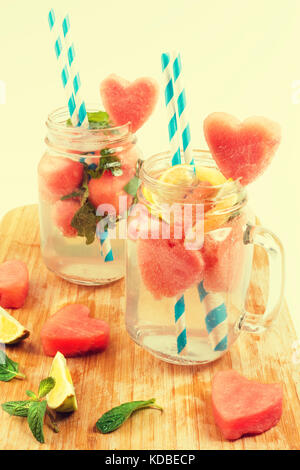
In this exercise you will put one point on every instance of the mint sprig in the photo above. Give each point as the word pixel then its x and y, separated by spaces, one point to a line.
pixel 97 120
pixel 9 369
pixel 113 419
pixel 35 409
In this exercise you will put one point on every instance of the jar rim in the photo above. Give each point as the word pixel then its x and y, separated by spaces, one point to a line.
pixel 63 112
pixel 152 182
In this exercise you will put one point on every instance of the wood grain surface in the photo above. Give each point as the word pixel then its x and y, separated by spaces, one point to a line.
pixel 125 372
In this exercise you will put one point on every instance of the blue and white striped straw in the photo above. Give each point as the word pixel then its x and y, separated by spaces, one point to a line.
pixel 74 73
pixel 179 307
pixel 171 109
pixel 180 97
pixel 106 250
pixel 215 318
pixel 61 56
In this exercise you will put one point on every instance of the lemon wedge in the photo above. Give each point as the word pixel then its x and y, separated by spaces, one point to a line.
pixel 11 331
pixel 62 397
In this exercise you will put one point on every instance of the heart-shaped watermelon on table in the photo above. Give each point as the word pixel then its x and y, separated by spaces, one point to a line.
pixel 242 150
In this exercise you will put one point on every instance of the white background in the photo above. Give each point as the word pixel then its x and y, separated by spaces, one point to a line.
pixel 240 57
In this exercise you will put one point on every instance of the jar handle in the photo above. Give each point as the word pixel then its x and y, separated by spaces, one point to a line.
pixel 260 236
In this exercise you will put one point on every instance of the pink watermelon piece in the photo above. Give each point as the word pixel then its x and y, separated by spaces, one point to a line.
pixel 58 176
pixel 243 406
pixel 108 188
pixel 73 332
pixel 167 268
pixel 14 284
pixel 63 213
pixel 223 253
pixel 241 149
pixel 127 101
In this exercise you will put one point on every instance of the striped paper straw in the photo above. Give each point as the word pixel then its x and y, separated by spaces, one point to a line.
pixel 215 318
pixel 171 108
pixel 106 246
pixel 179 307
pixel 180 97
pixel 74 74
pixel 63 67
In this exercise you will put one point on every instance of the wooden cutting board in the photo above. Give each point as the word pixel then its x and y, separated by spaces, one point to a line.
pixel 125 372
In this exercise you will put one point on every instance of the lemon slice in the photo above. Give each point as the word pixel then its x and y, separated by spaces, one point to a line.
pixel 181 175
pixel 11 331
pixel 211 175
pixel 62 397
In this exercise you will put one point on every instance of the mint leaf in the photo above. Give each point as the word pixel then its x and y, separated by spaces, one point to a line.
pixel 9 369
pixel 72 195
pixel 97 120
pixel 132 186
pixel 85 222
pixel 46 386
pixel 35 418
pixel 17 408
pixel 32 395
pixel 114 418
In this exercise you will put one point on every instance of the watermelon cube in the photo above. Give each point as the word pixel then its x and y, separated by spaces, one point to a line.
pixel 14 284
pixel 243 406
pixel 73 332
pixel 58 176
pixel 63 213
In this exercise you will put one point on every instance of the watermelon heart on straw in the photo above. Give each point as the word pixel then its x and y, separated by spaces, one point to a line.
pixel 66 58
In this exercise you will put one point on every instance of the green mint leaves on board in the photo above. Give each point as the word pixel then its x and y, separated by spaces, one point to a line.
pixel 9 369
pixel 35 419
pixel 34 409
pixel 46 386
pixel 17 408
pixel 113 419
pixel 97 120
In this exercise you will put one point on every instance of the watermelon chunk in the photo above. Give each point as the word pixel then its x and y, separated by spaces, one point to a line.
pixel 223 253
pixel 63 213
pixel 243 406
pixel 129 102
pixel 242 150
pixel 108 188
pixel 167 268
pixel 14 284
pixel 58 176
pixel 73 332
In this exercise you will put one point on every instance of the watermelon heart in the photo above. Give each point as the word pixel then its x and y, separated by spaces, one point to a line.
pixel 73 332
pixel 242 150
pixel 129 102
pixel 14 284
pixel 242 406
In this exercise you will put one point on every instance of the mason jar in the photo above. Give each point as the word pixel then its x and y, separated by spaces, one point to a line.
pixel 186 292
pixel 82 178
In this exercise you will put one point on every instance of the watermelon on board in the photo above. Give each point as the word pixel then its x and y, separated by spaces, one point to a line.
pixel 58 176
pixel 167 268
pixel 242 150
pixel 223 253
pixel 127 101
pixel 63 213
pixel 243 406
pixel 73 332
pixel 14 284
